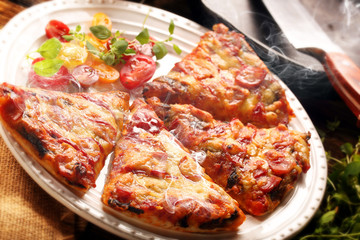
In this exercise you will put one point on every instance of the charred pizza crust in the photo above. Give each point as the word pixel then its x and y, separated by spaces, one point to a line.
pixel 154 178
pixel 256 166
pixel 225 77
pixel 70 135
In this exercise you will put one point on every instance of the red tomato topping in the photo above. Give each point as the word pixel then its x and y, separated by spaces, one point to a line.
pixel 137 70
pixel 57 29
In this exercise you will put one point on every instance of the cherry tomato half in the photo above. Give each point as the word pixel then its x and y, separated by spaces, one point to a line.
pixel 107 74
pixel 137 70
pixel 85 75
pixel 72 55
pixel 102 19
pixel 56 29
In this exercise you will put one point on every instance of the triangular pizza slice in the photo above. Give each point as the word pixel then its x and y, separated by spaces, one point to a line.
pixel 223 76
pixel 154 179
pixel 70 135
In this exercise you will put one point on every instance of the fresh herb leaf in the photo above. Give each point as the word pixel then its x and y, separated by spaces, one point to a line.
pixel 47 67
pixel 339 214
pixel 68 37
pixel 101 32
pixel 143 37
pixel 159 50
pixel 92 49
pixel 50 48
pixel 333 125
pixel 353 169
pixel 108 58
pixel 328 217
pixel 171 27
pixel 177 49
pixel 78 28
pixel 119 46
pixel 347 148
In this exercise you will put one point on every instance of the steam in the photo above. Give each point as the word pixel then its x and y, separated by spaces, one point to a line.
pixel 351 10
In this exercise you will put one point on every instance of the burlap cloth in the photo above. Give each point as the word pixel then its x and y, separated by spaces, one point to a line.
pixel 28 212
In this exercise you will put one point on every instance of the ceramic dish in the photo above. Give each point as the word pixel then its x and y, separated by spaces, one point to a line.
pixel 24 33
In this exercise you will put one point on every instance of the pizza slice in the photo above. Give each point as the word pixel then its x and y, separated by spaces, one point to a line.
pixel 225 77
pixel 70 135
pixel 256 166
pixel 154 179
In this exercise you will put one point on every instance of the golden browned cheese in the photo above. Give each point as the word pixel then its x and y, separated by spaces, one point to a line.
pixel 154 179
pixel 70 135
pixel 256 166
pixel 225 77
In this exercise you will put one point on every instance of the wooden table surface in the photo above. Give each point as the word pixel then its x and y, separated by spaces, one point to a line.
pixel 321 111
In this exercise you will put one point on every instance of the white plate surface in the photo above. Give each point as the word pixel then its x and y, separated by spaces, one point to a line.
pixel 25 32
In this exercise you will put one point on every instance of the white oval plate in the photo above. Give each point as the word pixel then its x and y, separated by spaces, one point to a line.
pixel 25 32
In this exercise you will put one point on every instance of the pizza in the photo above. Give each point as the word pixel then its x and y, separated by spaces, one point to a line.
pixel 196 149
pixel 225 77
pixel 256 166
pixel 70 135
pixel 155 179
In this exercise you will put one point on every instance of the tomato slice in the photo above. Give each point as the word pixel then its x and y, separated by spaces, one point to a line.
pixel 107 74
pixel 56 29
pixel 137 70
pixel 72 55
pixel 85 75
pixel 102 19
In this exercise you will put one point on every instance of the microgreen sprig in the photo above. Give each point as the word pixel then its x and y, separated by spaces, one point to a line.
pixel 75 34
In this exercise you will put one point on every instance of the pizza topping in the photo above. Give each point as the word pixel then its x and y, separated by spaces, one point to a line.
pixel 189 169
pixel 278 163
pixel 268 183
pixel 147 120
pixel 250 77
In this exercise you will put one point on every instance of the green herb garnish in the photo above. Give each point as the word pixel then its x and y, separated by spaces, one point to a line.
pixel 47 67
pixel 101 32
pixel 50 65
pixel 339 214
pixel 50 48
pixel 143 37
